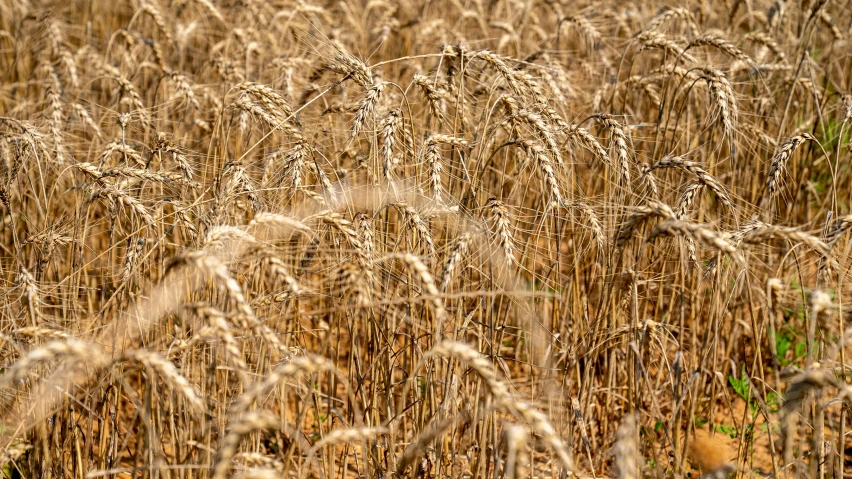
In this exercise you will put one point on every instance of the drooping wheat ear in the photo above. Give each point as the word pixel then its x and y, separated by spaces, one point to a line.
pixel 165 145
pixel 502 228
pixel 648 179
pixel 416 449
pixel 659 41
pixel 212 266
pixel 476 361
pixel 126 90
pixel 279 270
pixel 448 140
pixel 351 278
pixel 434 95
pixel 679 73
pixel 231 182
pixel 226 235
pixel 763 232
pixel 432 157
pixel 538 156
pixel 767 41
pixel 342 436
pixel 182 216
pixel 667 16
pixel 687 198
pixel 365 232
pixel 700 174
pixel 276 122
pixel 131 257
pixel 167 371
pixel 825 19
pixel 454 258
pixel 158 54
pixel 116 196
pixel 591 35
pixel 722 95
pixel 40 332
pixel 257 459
pixel 388 23
pixel 807 84
pixel 71 349
pixel 164 177
pixel 735 238
pixel 722 45
pixel 367 107
pixel 511 105
pixel 619 144
pixel 271 100
pixel 327 186
pixel 838 229
pixel 594 223
pixel 653 92
pixel 544 131
pixel 538 421
pixel 158 18
pixel 390 126
pixel 519 84
pixel 422 272
pixel 556 78
pixel 588 141
pixel 639 217
pixel 344 226
pixel 540 424
pixel 237 430
pixel 699 233
pixel 846 101
pixel 307 364
pixel 759 134
pixel 211 9
pixel 279 221
pixel 628 458
pixel 118 146
pixel 81 112
pixel 57 46
pixel 581 426
pixel 775 176
pixel 353 68
pixel 294 163
pixel 183 89
pixel 53 92
pixel 222 329
pixel 556 122
pixel 414 220
pixel 30 293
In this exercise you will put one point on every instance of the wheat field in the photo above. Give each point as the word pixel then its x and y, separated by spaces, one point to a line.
pixel 449 239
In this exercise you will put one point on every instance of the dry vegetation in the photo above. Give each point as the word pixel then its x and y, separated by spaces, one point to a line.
pixel 443 239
